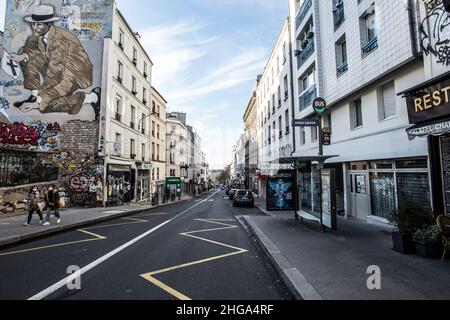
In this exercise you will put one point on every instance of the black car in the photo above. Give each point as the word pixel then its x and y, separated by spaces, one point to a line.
pixel 243 198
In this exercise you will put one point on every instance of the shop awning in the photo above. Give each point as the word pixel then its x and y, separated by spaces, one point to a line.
pixel 436 128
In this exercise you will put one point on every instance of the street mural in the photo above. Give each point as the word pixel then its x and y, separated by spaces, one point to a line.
pixel 436 32
pixel 52 60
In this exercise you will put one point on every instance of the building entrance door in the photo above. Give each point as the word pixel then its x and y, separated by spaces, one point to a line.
pixel 360 195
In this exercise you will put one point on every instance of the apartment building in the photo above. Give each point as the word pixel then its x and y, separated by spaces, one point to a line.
pixel 178 150
pixel 158 143
pixel 127 126
pixel 274 105
pixel 352 54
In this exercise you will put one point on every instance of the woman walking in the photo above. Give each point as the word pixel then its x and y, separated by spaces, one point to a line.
pixel 34 200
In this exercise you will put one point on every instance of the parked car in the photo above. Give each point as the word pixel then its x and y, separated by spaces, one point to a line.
pixel 243 198
pixel 231 194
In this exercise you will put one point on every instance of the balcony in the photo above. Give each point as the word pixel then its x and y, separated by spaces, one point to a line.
pixel 118 117
pixel 342 68
pixel 143 131
pixel 369 46
pixel 307 97
pixel 302 13
pixel 306 51
pixel 132 125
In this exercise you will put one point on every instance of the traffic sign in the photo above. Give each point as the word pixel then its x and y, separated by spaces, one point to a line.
pixel 305 123
pixel 320 106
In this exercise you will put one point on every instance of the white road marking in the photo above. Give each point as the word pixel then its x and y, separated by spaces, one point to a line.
pixel 55 287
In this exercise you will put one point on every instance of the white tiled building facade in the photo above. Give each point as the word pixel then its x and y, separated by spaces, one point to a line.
pixel 358 56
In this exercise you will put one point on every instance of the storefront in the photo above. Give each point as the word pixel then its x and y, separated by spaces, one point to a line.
pixel 429 112
pixel 378 187
pixel 120 184
pixel 143 181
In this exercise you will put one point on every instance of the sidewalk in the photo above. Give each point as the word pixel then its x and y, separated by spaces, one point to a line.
pixel 318 265
pixel 13 231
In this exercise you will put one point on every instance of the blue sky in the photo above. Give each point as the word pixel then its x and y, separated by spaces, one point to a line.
pixel 207 54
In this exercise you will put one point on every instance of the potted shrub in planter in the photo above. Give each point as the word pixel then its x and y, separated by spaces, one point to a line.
pixel 409 217
pixel 427 242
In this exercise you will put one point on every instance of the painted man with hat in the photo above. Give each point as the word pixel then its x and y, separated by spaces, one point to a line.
pixel 55 67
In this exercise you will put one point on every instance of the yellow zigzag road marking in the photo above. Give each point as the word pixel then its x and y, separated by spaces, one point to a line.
pixel 96 237
pixel 150 276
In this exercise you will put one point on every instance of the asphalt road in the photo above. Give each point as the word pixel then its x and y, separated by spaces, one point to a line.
pixel 190 250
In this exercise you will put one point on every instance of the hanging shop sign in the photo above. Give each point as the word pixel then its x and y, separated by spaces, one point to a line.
pixel 429 103
pixel 326 136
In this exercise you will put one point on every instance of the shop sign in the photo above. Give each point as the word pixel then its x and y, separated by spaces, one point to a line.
pixel 145 166
pixel 429 103
pixel 326 136
pixel 431 129
pixel 306 123
pixel 173 181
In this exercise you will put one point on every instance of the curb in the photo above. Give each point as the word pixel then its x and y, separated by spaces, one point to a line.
pixel 22 238
pixel 293 279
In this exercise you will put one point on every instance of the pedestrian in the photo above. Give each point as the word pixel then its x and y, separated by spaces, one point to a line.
pixel 52 199
pixel 34 205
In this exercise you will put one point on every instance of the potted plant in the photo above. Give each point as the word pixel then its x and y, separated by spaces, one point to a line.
pixel 427 242
pixel 407 218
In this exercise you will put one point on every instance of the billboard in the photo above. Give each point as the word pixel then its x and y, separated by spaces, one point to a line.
pixel 51 70
pixel 280 191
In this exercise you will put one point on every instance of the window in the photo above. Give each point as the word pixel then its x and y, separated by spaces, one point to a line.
pixel 273 103
pixel 286 89
pixel 144 126
pixel 157 173
pixel 268 110
pixel 153 107
pixel 133 117
pixel 368 31
pixel 118 115
pixel 144 96
pixel 134 56
pixel 387 107
pixel 341 56
pixel 145 70
pixel 157 131
pixel 314 134
pixel 284 53
pixel 303 136
pixel 274 131
pixel 356 114
pixel 280 126
pixel 143 151
pixel 157 152
pixel 286 120
pixel 327 122
pixel 121 39
pixel 118 138
pixel 338 13
pixel 132 149
pixel 119 71
pixel 133 81
pixel 153 129
pixel 278 64
pixel 279 96
pixel 269 137
pixel 172 172
pixel 153 151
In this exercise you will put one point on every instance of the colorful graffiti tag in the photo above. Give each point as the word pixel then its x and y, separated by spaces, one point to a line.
pixel 38 136
pixel 81 183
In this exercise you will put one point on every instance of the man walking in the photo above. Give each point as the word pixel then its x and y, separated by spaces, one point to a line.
pixel 55 68
pixel 52 199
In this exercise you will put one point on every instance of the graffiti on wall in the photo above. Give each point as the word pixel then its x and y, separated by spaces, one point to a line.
pixel 38 136
pixel 81 183
pixel 436 32
pixel 51 70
